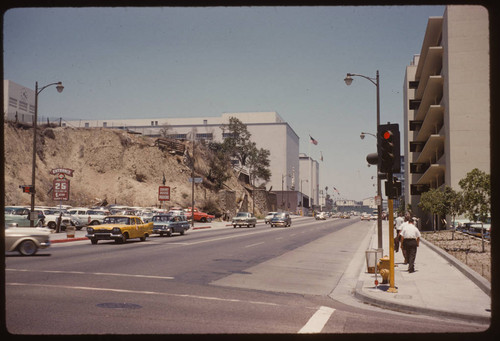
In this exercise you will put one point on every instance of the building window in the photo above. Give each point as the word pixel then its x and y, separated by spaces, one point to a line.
pixel 205 122
pixel 87 124
pixel 32 109
pixel 204 136
pixel 23 106
pixel 13 102
pixel 104 124
pixel 225 135
pixel 413 84
pixel 414 104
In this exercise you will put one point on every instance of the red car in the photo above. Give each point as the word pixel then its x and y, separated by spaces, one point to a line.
pixel 198 215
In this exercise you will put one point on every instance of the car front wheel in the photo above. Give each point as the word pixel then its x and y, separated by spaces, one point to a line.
pixel 27 248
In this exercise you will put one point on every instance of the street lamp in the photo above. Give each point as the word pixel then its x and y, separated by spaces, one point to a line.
pixel 363 134
pixel 60 89
pixel 375 81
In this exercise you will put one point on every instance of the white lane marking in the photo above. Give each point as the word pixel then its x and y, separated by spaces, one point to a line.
pixel 254 244
pixel 142 292
pixel 222 238
pixel 91 273
pixel 317 321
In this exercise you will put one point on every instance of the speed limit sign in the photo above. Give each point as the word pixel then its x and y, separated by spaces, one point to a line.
pixel 60 190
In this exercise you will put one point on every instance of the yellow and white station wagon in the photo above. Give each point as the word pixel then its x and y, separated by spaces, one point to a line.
pixel 120 228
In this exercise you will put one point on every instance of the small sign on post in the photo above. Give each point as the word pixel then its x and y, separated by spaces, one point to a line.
pixel 164 193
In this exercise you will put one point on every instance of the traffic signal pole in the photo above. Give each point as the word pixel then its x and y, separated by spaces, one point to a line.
pixel 392 287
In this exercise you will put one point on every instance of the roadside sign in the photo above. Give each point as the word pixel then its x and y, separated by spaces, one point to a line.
pixel 378 200
pixel 164 193
pixel 60 190
pixel 196 180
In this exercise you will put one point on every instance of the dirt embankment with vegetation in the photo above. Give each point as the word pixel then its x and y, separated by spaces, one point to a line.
pixel 110 166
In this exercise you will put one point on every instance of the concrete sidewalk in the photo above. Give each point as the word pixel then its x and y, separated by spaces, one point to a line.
pixel 441 285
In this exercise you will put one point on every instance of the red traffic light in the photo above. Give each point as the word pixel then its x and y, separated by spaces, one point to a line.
pixel 387 134
pixel 27 189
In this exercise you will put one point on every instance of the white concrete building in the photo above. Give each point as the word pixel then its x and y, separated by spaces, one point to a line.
pixel 18 102
pixel 268 130
pixel 309 176
pixel 447 104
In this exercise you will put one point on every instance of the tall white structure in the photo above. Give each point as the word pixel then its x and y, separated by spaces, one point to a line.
pixel 268 129
pixel 309 175
pixel 18 102
pixel 447 104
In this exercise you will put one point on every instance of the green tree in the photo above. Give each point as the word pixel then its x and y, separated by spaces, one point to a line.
pixel 476 187
pixel 441 202
pixel 430 202
pixel 219 164
pixel 237 142
pixel 258 163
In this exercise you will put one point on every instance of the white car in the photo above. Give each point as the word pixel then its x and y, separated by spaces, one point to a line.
pixel 321 216
pixel 89 216
pixel 26 240
pixel 269 216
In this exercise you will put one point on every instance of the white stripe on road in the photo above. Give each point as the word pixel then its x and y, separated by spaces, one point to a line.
pixel 254 244
pixel 317 321
pixel 142 292
pixel 91 273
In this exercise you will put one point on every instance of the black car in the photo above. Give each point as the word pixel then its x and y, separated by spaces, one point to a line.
pixel 281 219
pixel 169 223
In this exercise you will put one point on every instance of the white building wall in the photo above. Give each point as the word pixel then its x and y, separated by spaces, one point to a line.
pixel 20 100
pixel 467 112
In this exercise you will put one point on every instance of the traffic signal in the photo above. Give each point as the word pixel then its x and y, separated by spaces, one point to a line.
pixel 388 148
pixel 27 189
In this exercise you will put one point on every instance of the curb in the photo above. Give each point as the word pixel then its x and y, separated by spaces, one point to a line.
pixel 55 241
pixel 201 227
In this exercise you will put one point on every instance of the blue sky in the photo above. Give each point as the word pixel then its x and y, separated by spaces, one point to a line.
pixel 193 62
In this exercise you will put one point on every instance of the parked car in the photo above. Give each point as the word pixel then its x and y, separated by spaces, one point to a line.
pixel 198 215
pixel 269 216
pixel 120 228
pixel 281 219
pixel 321 216
pixel 244 219
pixel 21 216
pixel 26 240
pixel 170 223
pixel 89 216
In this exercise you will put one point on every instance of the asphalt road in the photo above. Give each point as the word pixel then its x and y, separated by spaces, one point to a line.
pixel 244 280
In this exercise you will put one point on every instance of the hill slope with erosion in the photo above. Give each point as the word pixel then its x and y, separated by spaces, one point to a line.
pixel 109 165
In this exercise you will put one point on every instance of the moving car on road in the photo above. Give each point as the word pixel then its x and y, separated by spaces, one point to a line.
pixel 244 219
pixel 321 216
pixel 269 216
pixel 120 228
pixel 170 223
pixel 25 240
pixel 281 219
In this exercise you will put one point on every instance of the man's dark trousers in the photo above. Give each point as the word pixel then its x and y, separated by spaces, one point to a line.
pixel 411 253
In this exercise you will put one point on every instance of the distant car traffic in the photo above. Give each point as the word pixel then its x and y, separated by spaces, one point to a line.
pixel 365 216
pixel 281 219
pixel 321 216
pixel 26 240
pixel 166 224
pixel 244 219
pixel 120 228
pixel 269 216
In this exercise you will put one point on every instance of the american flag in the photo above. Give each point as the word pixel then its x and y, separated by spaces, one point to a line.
pixel 313 141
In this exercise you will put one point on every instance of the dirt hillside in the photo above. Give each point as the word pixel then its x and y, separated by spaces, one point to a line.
pixel 110 166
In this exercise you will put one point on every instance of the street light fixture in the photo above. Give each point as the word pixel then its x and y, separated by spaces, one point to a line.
pixel 375 81
pixel 60 89
pixel 363 134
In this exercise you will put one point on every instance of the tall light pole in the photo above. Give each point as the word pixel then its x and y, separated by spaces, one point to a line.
pixel 59 88
pixel 375 81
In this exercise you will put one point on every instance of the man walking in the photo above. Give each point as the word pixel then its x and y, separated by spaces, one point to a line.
pixel 399 222
pixel 410 239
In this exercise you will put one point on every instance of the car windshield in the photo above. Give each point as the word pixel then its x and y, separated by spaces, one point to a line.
pixel 164 218
pixel 117 220
pixel 242 214
pixel 280 215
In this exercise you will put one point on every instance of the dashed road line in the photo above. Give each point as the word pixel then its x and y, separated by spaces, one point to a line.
pixel 317 321
pixel 91 273
pixel 251 245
